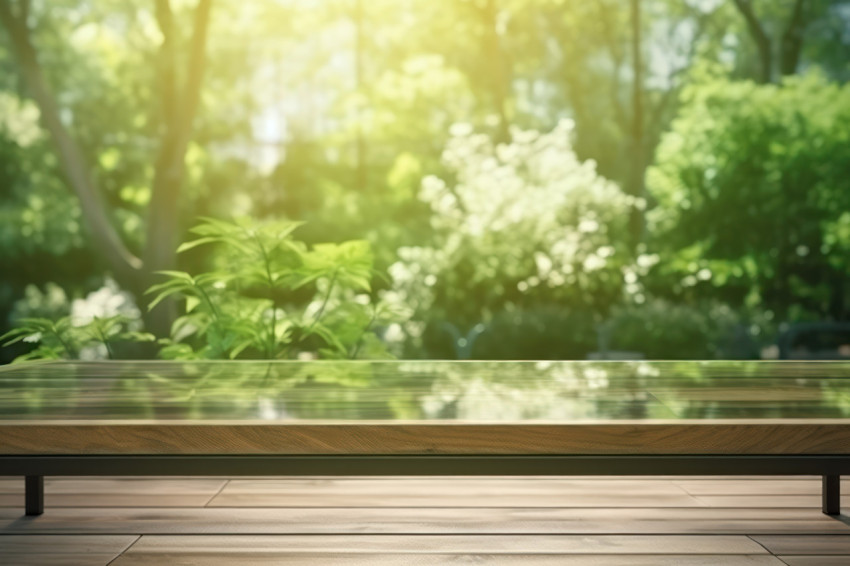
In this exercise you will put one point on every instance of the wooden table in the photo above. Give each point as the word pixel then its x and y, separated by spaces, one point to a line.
pixel 425 418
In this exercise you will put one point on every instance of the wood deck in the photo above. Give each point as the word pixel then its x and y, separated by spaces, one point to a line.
pixel 424 521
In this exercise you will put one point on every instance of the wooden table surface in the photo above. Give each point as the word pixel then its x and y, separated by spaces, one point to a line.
pixel 425 407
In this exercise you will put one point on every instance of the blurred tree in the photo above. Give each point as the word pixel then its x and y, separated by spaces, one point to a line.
pixel 333 111
pixel 779 31
pixel 618 68
pixel 752 191
pixel 178 103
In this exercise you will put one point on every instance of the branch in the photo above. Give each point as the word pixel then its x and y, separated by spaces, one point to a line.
pixel 759 36
pixel 72 161
pixel 792 40
pixel 657 112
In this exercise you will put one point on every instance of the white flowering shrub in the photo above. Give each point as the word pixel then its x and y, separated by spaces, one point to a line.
pixel 51 302
pixel 109 303
pixel 516 225
pixel 106 302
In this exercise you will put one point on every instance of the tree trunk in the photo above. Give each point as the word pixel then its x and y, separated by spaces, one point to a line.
pixel 638 161
pixel 103 235
pixel 792 40
pixel 762 41
pixel 179 109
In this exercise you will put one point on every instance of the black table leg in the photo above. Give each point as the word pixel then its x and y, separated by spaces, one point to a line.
pixel 34 494
pixel 832 495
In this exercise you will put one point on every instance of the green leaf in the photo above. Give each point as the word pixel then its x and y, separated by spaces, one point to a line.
pixel 16 335
pixel 138 336
pixel 192 302
pixel 195 243
pixel 358 282
pixel 176 275
pixel 40 353
pixel 239 348
pixel 176 283
pixel 327 335
pixel 301 280
pixel 185 326
pixel 161 297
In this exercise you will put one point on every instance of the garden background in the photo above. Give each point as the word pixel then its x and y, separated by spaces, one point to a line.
pixel 496 179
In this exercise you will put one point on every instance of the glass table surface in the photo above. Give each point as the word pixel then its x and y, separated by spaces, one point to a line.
pixel 431 391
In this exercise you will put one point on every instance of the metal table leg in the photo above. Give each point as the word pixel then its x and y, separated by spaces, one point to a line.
pixel 34 495
pixel 832 495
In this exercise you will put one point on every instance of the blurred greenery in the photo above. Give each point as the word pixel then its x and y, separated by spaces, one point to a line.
pixel 752 182
pixel 541 179
pixel 250 305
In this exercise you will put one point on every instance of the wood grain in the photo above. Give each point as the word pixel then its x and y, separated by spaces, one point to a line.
pixel 652 437
pixel 65 544
pixel 816 560
pixel 98 500
pixel 122 486
pixel 749 533
pixel 805 544
pixel 417 520
pixel 62 550
pixel 471 544
pixel 807 501
pixel 436 492
pixel 746 486
pixel 588 499
pixel 50 559
pixel 333 559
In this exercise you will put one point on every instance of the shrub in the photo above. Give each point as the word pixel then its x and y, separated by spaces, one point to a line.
pixel 515 226
pixel 253 305
pixel 269 297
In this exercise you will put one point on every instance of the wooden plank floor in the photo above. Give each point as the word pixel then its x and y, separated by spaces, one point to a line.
pixel 424 521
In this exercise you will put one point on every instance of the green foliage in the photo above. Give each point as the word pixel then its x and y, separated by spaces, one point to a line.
pixel 538 333
pixel 659 329
pixel 53 338
pixel 273 297
pixel 319 112
pixel 61 339
pixel 51 302
pixel 752 189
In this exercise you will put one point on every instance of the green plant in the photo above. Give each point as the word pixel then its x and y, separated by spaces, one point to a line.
pixel 270 297
pixel 61 339
pixel 661 329
pixel 751 191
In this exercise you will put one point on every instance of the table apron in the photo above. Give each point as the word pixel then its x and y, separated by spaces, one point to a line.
pixel 422 465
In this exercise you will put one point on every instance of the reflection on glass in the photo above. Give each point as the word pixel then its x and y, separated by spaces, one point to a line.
pixel 424 390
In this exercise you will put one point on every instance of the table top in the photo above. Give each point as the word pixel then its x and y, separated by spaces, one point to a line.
pixel 424 391
pixel 425 407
